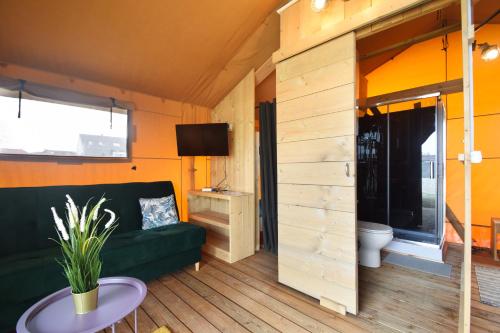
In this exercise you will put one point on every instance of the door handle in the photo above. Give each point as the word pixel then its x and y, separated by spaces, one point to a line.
pixel 347 171
pixel 431 165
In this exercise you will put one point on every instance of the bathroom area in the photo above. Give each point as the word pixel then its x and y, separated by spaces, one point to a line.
pixel 400 177
pixel 407 91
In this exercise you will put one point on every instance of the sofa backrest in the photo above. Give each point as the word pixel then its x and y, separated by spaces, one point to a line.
pixel 26 221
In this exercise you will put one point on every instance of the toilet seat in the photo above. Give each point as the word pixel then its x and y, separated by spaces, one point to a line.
pixel 374 228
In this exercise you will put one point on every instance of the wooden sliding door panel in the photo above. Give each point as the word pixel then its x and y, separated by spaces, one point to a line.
pixel 320 173
pixel 318 219
pixel 321 150
pixel 325 126
pixel 339 198
pixel 337 99
pixel 334 75
pixel 318 265
pixel 315 59
pixel 314 286
pixel 337 246
pixel 316 155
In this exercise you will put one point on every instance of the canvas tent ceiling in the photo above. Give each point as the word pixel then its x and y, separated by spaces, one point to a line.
pixel 172 49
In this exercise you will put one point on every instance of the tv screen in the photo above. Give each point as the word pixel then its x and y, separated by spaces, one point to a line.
pixel 202 139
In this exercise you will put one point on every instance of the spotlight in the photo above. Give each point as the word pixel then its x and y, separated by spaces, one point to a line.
pixel 489 52
pixel 318 5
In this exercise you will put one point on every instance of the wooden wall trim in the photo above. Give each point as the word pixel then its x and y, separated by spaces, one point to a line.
pixel 464 321
pixel 264 71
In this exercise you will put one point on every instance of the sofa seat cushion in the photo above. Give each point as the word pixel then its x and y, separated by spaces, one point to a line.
pixel 36 274
pixel 31 274
pixel 137 247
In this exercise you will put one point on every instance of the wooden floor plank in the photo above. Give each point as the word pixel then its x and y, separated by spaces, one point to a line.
pixel 219 319
pixel 161 315
pixel 246 297
pixel 312 310
pixel 272 318
pixel 239 314
pixel 390 320
pixel 120 327
pixel 410 314
pixel 186 314
pixel 367 324
pixel 144 322
pixel 383 295
pixel 282 308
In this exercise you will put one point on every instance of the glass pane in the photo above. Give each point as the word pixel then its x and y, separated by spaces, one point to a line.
pixel 372 166
pixel 53 129
pixel 413 170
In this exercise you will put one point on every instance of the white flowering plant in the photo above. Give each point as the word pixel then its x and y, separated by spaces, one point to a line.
pixel 81 239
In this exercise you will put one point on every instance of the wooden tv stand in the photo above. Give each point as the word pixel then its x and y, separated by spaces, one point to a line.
pixel 229 219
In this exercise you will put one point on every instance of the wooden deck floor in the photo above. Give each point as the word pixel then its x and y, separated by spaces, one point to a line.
pixel 245 296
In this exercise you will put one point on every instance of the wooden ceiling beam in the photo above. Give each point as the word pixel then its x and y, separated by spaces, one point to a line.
pixel 409 15
pixel 414 40
pixel 447 87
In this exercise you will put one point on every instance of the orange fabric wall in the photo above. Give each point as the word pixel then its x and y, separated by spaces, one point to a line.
pixel 266 90
pixel 154 150
pixel 425 63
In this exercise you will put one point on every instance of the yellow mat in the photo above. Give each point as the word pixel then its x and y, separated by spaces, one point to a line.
pixel 162 329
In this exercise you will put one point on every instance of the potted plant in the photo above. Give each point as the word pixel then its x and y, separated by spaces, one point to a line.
pixel 81 239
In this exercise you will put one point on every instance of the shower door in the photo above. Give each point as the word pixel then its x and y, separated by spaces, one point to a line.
pixel 400 168
pixel 415 170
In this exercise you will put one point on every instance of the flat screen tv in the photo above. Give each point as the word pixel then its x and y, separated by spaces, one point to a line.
pixel 202 139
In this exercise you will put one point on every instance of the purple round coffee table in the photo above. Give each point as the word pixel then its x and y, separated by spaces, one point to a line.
pixel 118 297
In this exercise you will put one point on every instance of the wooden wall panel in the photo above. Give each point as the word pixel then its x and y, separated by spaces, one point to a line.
pixel 316 134
pixel 319 219
pixel 316 106
pixel 330 76
pixel 328 125
pixel 321 150
pixel 319 173
pixel 311 60
pixel 339 198
pixel 237 109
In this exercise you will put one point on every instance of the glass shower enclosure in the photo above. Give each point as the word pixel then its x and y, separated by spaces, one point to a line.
pixel 400 168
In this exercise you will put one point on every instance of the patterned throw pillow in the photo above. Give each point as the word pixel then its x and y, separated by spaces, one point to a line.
pixel 157 212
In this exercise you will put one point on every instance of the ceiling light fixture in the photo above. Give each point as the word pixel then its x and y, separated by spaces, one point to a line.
pixel 489 52
pixel 318 5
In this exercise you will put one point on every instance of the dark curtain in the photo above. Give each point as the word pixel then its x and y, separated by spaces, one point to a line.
pixel 268 175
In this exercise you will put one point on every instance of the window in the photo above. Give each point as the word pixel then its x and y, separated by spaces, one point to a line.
pixel 47 127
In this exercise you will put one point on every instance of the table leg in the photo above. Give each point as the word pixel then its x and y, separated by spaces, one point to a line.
pixel 135 320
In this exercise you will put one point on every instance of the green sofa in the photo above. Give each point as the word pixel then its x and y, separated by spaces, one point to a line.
pixel 28 270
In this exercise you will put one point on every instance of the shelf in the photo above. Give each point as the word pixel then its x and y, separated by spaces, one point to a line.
pixel 210 217
pixel 217 246
pixel 224 195
pixel 229 221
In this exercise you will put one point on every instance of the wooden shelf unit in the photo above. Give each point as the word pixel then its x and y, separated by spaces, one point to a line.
pixel 229 219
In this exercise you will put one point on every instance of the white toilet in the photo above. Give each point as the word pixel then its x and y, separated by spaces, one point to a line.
pixel 372 238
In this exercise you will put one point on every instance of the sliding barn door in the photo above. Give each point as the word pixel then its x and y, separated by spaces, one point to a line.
pixel 316 135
